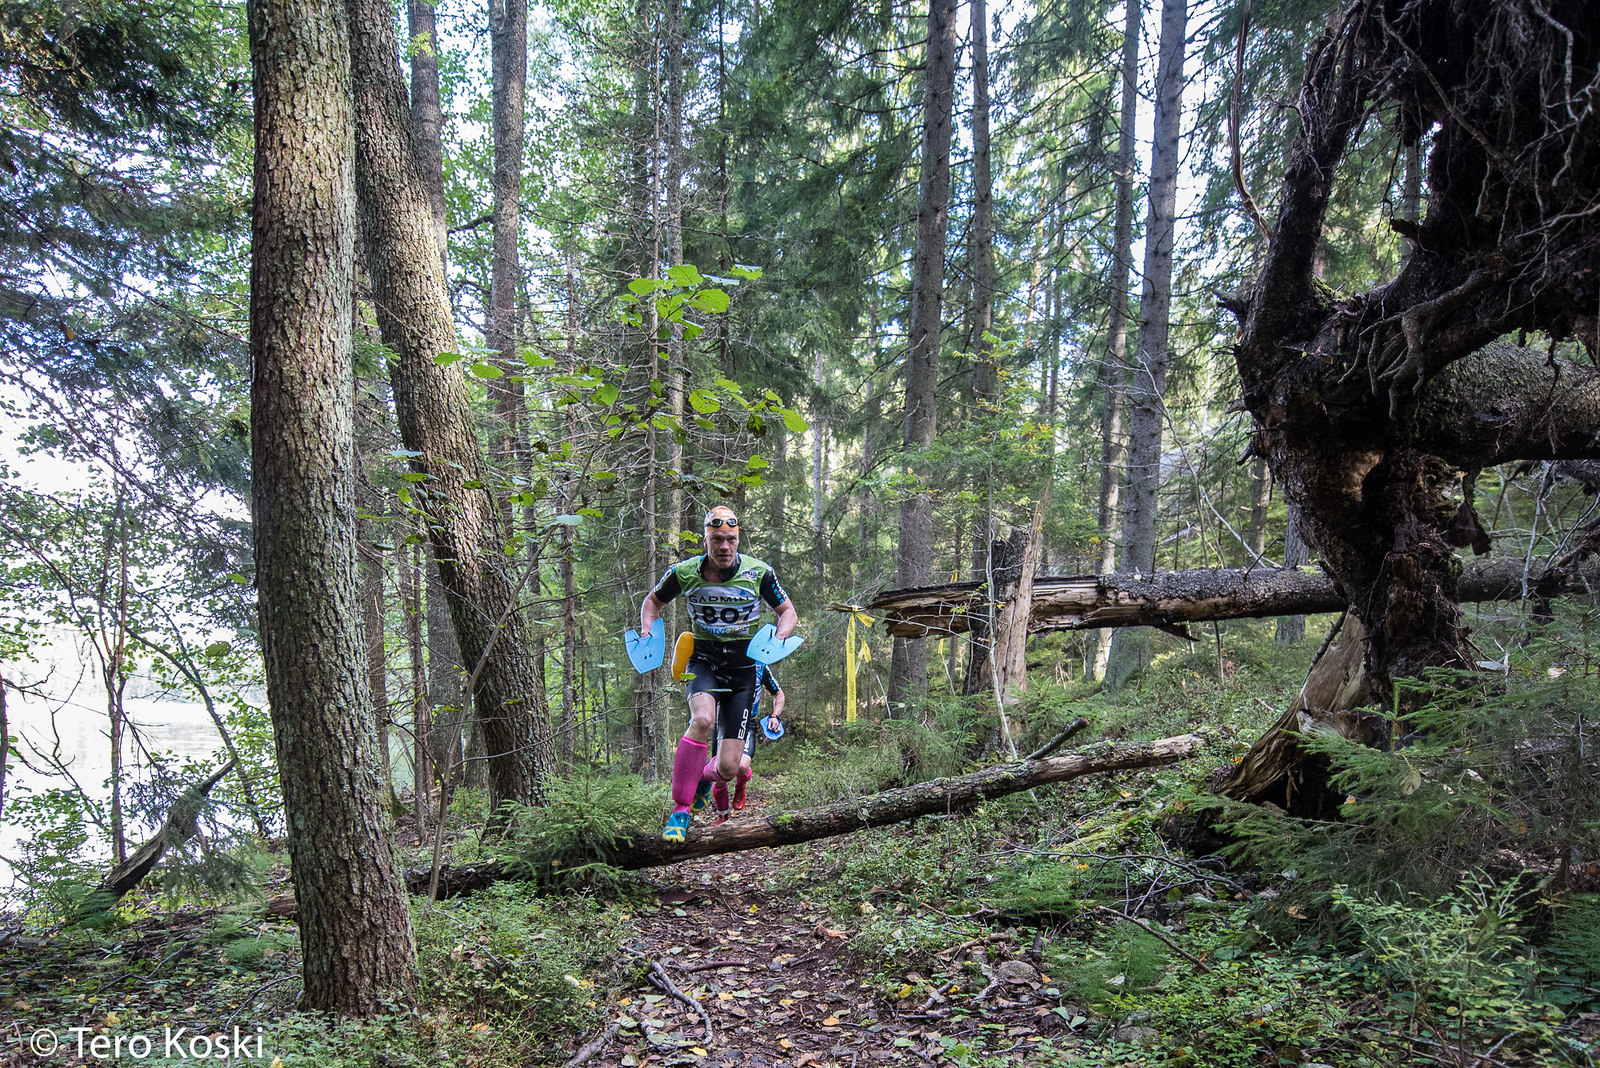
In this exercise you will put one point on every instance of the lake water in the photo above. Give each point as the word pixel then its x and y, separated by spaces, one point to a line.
pixel 72 729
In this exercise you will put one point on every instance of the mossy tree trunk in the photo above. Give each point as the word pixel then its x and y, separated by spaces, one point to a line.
pixel 414 317
pixel 355 925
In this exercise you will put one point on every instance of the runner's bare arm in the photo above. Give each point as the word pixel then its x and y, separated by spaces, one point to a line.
pixel 788 619
pixel 649 612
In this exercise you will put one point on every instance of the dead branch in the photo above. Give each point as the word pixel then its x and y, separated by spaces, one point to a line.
pixel 1199 964
pixel 658 976
pixel 179 827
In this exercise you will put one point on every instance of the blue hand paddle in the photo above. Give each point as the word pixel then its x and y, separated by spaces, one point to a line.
pixel 772 735
pixel 766 647
pixel 646 653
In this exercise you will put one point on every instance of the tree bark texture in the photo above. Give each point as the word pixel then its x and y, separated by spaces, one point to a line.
pixel 936 796
pixel 1371 408
pixel 508 62
pixel 909 663
pixel 445 675
pixel 1130 649
pixel 1292 629
pixel 997 563
pixel 376 659
pixel 1173 598
pixel 409 565
pixel 1114 372
pixel 355 924
pixel 985 375
pixel 427 114
pixel 819 474
pixel 435 421
pixel 675 140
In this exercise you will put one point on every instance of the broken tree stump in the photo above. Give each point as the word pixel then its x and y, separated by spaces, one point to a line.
pixel 179 826
pixel 1277 770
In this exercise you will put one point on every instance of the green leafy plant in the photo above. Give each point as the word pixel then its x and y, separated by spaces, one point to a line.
pixel 582 819
pixel 1456 965
pixel 520 964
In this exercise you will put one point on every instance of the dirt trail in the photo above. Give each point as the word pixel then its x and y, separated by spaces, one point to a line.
pixel 782 987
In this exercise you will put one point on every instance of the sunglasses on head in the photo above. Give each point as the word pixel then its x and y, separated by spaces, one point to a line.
pixel 719 521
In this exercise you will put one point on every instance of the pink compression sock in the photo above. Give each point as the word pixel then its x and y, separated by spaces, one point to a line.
pixel 719 792
pixel 686 768
pixel 710 772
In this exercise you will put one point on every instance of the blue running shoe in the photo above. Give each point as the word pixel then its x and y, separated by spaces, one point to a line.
pixel 702 797
pixel 677 826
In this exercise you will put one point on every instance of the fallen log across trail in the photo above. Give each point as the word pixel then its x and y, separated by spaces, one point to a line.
pixel 949 795
pixel 1169 599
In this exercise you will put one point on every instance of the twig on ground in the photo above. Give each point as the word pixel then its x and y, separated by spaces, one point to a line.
pixel 262 989
pixel 1059 740
pixel 710 965
pixel 1455 1052
pixel 1149 930
pixel 658 976
pixel 992 936
pixel 807 959
pixel 593 1046
pixel 936 996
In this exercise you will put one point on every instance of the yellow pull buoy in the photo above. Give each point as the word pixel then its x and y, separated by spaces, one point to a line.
pixel 681 654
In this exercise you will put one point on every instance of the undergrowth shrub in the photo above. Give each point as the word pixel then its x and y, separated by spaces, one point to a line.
pixel 1269 1009
pixel 1048 890
pixel 1459 967
pixel 521 965
pixel 898 941
pixel 1122 961
pixel 1573 945
pixel 580 824
pixel 1494 773
pixel 871 757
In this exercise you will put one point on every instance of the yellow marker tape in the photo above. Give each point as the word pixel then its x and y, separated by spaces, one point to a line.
pixel 850 671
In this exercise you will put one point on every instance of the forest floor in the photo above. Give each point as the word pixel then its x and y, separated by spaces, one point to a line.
pixel 778 984
pixel 1063 926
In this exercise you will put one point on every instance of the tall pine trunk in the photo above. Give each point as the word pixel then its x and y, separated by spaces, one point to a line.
pixel 909 663
pixel 444 680
pixel 1114 372
pixel 1130 648
pixel 427 114
pixel 985 372
pixel 355 923
pixel 443 742
pixel 1292 629
pixel 508 61
pixel 569 548
pixel 435 420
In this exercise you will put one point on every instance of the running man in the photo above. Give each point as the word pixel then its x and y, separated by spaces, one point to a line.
pixel 719 793
pixel 724 589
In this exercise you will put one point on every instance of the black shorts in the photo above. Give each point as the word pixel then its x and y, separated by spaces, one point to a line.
pixel 726 672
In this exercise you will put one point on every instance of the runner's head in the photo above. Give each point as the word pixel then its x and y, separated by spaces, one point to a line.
pixel 722 536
